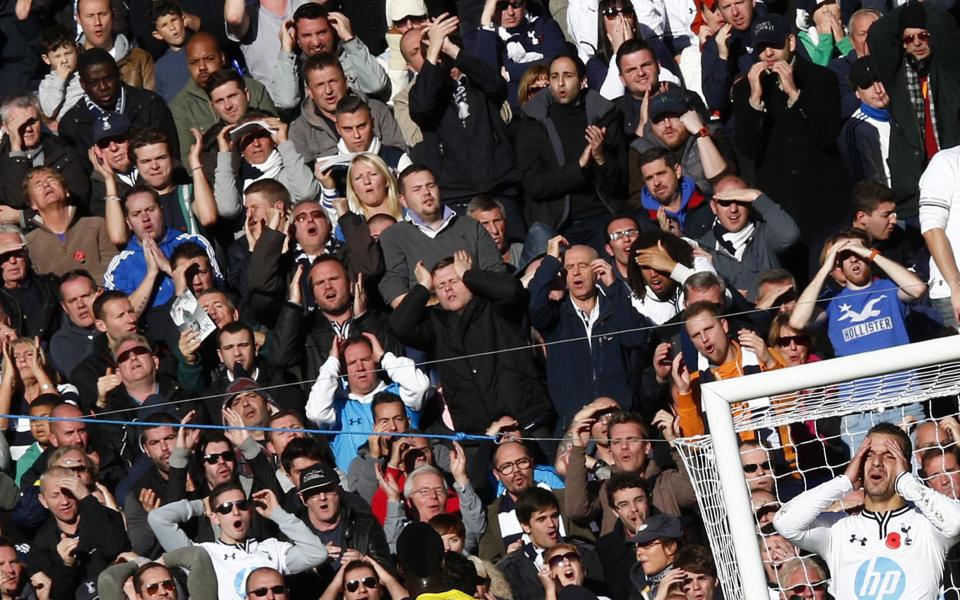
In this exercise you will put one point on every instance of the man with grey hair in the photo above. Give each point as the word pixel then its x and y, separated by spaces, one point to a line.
pixel 489 212
pixel 426 495
pixel 858 26
pixel 25 146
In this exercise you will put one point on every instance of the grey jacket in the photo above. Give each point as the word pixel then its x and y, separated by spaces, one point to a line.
pixel 307 551
pixel 294 175
pixel 313 137
pixel 774 234
pixel 364 73
pixel 688 157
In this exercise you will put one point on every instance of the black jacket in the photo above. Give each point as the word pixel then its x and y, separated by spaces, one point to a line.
pixel 46 321
pixel 520 572
pixel 89 370
pixel 471 156
pixel 288 396
pixel 143 108
pixel 490 383
pixel 907 158
pixel 617 554
pixel 548 179
pixel 59 156
pixel 102 538
pixel 795 149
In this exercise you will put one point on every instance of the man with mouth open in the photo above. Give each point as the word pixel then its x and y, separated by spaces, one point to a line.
pixel 235 554
pixel 900 539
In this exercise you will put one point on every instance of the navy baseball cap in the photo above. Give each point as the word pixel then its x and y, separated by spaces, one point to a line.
pixel 110 125
pixel 658 526
pixel 669 102
pixel 862 74
pixel 772 30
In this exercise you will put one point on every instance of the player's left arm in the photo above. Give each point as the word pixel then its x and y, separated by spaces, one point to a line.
pixel 942 511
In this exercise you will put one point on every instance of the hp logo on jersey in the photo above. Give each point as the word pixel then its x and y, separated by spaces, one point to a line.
pixel 879 579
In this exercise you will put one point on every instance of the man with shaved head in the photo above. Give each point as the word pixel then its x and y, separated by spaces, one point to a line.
pixel 593 362
pixel 192 108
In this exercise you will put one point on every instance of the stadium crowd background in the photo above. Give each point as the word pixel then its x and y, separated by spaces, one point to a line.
pixel 445 278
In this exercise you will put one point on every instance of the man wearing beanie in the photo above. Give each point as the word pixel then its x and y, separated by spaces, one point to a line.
pixel 865 138
pixel 914 50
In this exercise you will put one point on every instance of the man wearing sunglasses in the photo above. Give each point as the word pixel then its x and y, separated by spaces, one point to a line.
pixel 914 49
pixel 28 299
pixel 752 234
pixel 235 554
pixel 266 583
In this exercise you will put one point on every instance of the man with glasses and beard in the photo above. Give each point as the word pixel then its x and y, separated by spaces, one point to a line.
pixel 234 553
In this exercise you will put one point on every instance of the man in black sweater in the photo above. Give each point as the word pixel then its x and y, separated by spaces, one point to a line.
pixel 572 160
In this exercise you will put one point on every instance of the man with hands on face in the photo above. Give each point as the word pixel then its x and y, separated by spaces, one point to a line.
pixel 80 538
pixel 750 235
pixel 235 554
pixel 787 114
pixel 315 29
pixel 902 535
pixel 595 305
pixel 347 408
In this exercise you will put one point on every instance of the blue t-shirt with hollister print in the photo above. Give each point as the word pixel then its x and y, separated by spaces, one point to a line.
pixel 868 319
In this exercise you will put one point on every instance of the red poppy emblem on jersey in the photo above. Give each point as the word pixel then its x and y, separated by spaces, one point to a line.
pixel 893 541
pixel 80 256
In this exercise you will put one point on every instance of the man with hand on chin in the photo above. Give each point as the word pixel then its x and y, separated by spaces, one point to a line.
pixel 235 554
pixel 900 538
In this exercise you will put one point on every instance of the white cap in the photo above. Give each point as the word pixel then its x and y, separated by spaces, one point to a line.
pixel 406 8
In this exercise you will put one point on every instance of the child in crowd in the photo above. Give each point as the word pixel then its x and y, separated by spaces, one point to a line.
pixel 40 430
pixel 170 28
pixel 60 89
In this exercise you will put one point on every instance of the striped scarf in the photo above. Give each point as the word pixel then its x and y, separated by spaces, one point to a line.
pixel 919 86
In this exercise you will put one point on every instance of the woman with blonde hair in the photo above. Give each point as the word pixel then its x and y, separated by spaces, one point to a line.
pixel 372 188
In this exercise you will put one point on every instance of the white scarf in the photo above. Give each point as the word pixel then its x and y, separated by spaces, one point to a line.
pixel 738 241
pixel 269 168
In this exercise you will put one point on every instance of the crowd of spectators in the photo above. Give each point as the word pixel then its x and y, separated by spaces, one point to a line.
pixel 341 232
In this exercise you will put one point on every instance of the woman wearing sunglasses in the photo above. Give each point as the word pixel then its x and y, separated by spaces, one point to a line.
pixel 790 347
pixel 512 38
pixel 364 579
pixel 562 567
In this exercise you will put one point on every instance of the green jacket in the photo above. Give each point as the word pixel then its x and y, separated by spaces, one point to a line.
pixel 191 109
pixel 825 49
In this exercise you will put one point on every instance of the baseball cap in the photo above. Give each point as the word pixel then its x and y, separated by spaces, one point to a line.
pixel 240 385
pixel 401 9
pixel 656 527
pixel 669 102
pixel 319 478
pixel 111 124
pixel 772 30
pixel 862 74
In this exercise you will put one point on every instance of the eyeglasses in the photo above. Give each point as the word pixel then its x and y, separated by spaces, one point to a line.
pixel 752 468
pixel 227 507
pixel 785 340
pixel 796 592
pixel 77 468
pixel 313 215
pixel 428 492
pixel 501 6
pixel 153 588
pixel 278 590
pixel 626 233
pixel 367 582
pixel 521 463
pixel 612 12
pixel 212 459
pixel 558 559
pixel 923 36
pixel 128 354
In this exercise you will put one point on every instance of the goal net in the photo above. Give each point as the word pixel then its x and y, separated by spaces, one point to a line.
pixel 807 418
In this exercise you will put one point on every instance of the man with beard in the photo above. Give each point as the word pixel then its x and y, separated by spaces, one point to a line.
pixel 917 525
pixel 151 489
pixel 235 554
pixel 668 196
pixel 81 537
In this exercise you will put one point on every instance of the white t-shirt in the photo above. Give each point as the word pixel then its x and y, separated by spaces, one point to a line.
pixel 940 208
pixel 233 564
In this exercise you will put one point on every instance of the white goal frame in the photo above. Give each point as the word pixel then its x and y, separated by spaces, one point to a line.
pixel 717 398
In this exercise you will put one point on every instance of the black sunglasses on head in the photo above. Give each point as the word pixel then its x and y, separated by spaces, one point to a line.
pixel 611 12
pixel 504 4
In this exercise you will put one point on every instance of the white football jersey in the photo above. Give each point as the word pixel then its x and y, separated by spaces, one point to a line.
pixel 234 563
pixel 897 555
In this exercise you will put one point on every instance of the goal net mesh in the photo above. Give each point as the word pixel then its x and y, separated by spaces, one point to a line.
pixel 807 435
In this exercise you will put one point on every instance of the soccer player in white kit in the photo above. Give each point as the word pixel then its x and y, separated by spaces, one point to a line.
pixel 895 548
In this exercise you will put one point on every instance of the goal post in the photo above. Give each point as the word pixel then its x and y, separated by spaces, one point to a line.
pixel 873 381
